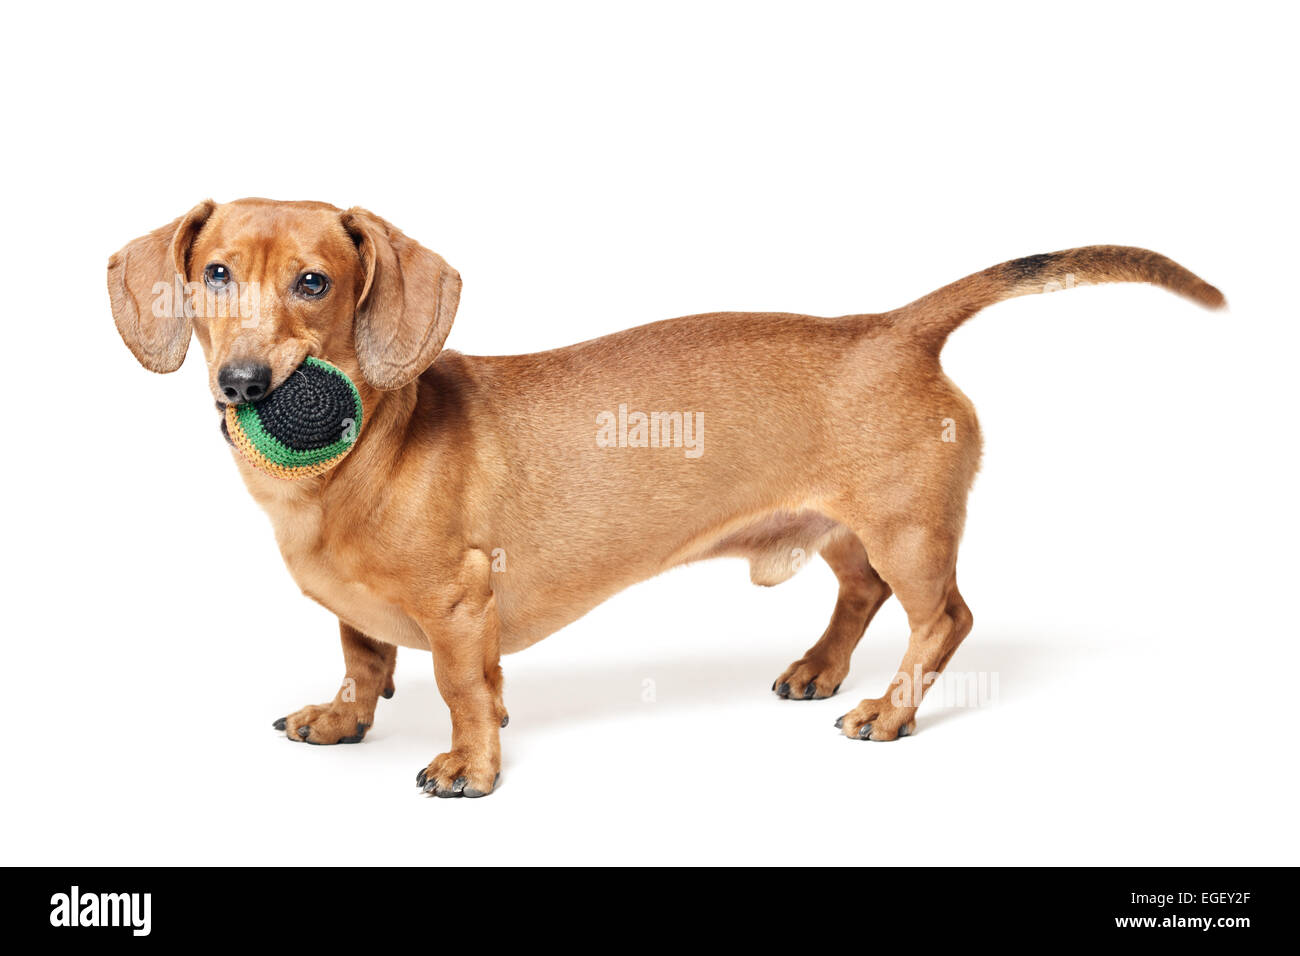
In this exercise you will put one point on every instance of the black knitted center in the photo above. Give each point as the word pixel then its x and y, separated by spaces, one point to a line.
pixel 309 410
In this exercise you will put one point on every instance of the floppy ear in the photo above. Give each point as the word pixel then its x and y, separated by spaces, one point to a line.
pixel 407 303
pixel 154 327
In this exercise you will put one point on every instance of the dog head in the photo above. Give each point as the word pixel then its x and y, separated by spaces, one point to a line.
pixel 264 284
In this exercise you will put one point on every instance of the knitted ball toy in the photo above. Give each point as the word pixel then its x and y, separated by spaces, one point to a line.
pixel 303 428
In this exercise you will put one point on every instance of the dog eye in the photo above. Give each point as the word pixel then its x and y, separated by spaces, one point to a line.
pixel 216 275
pixel 312 284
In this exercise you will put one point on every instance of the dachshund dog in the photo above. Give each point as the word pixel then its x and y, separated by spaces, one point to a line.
pixel 482 507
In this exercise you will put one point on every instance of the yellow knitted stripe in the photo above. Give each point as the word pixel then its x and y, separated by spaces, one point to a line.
pixel 259 461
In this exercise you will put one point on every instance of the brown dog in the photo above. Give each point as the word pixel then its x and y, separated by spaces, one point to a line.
pixel 481 507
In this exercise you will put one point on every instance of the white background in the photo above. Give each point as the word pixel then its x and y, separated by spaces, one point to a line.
pixel 1130 553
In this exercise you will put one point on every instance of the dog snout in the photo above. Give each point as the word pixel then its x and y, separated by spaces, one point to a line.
pixel 245 381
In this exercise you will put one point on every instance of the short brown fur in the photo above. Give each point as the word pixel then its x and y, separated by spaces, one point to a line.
pixel 478 514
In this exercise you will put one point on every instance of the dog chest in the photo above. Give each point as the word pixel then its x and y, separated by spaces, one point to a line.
pixel 353 602
pixel 321 572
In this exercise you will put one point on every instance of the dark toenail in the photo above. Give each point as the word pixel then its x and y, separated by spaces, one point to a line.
pixel 836 690
pixel 458 785
pixel 903 731
pixel 471 792
pixel 864 732
pixel 783 690
pixel 505 720
pixel 773 685
pixel 357 737
pixel 430 786
pixel 281 723
pixel 304 732
pixel 810 691
pixel 388 692
pixel 839 723
pixel 421 777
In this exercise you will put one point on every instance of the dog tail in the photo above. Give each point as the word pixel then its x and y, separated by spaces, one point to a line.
pixel 932 318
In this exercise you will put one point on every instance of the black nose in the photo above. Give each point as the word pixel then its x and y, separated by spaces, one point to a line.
pixel 244 381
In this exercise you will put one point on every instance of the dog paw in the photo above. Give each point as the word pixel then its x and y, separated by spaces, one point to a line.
pixel 326 724
pixel 457 774
pixel 809 679
pixel 877 720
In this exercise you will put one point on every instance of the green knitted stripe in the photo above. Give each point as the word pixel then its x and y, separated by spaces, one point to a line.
pixel 273 450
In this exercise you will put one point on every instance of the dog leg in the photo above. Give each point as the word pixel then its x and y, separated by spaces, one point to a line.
pixel 368 672
pixel 818 673
pixel 467 665
pixel 920 566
